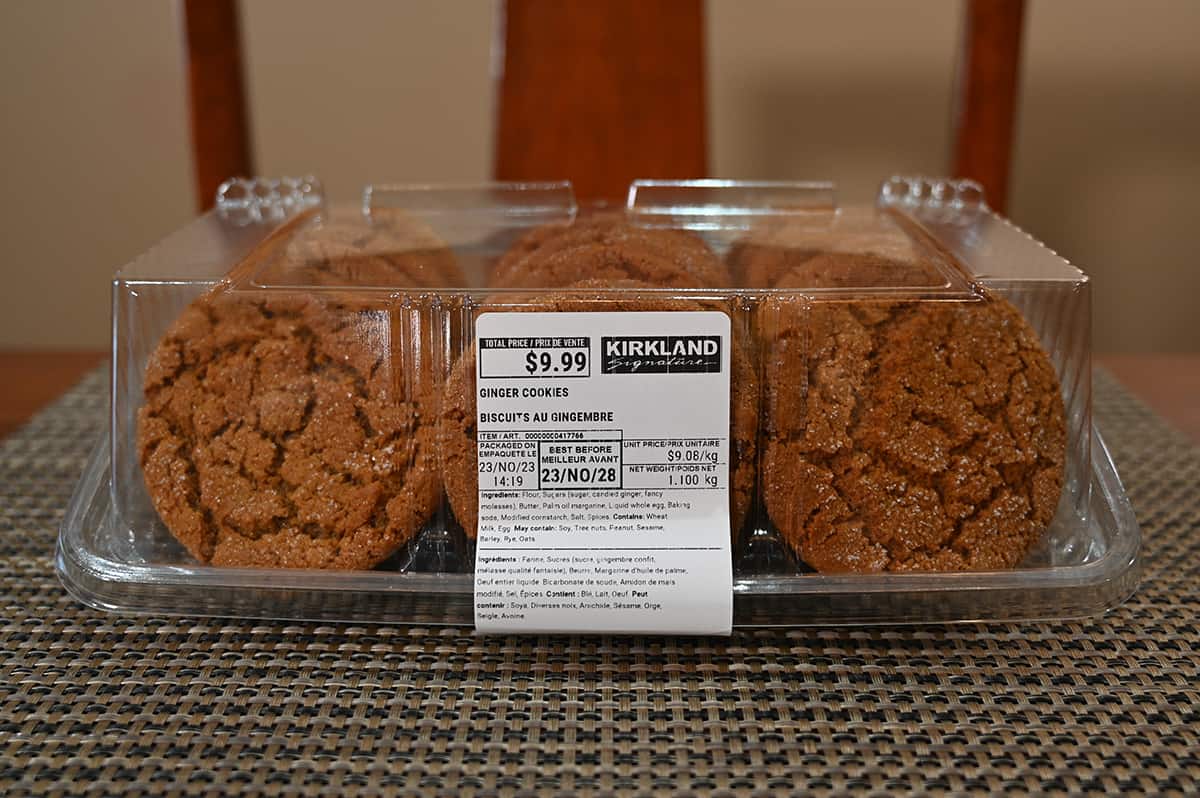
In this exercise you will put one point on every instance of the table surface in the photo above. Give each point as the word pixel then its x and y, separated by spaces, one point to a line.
pixel 100 703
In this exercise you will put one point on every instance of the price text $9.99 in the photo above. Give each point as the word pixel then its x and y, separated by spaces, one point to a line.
pixel 566 362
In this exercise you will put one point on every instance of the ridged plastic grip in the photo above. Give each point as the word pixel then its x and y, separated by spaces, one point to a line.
pixel 267 199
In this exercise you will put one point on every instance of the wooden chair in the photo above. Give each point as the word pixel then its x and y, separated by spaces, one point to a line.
pixel 603 92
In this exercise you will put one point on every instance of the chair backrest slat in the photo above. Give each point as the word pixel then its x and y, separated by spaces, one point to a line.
pixel 601 93
pixel 985 97
pixel 220 132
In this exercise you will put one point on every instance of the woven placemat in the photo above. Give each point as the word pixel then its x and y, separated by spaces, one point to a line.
pixel 100 704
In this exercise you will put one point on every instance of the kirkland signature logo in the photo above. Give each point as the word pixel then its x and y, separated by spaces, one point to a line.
pixel 660 354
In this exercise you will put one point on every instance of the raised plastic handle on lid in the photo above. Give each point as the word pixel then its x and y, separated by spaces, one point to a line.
pixel 256 200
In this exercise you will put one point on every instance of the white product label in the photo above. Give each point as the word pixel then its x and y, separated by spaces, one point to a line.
pixel 603 473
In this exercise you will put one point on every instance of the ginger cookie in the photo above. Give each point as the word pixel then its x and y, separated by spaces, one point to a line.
pixel 344 247
pixel 802 269
pixel 603 262
pixel 283 429
pixel 853 248
pixel 554 256
pixel 908 435
pixel 457 420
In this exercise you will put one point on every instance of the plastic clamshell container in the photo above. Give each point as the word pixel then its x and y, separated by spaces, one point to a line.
pixel 115 553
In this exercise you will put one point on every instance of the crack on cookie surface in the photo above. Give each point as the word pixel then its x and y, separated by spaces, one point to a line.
pixel 558 255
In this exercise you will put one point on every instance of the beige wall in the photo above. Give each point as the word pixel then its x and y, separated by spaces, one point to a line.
pixel 1108 164
pixel 95 150
pixel 93 143
pixel 846 91
pixel 380 91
